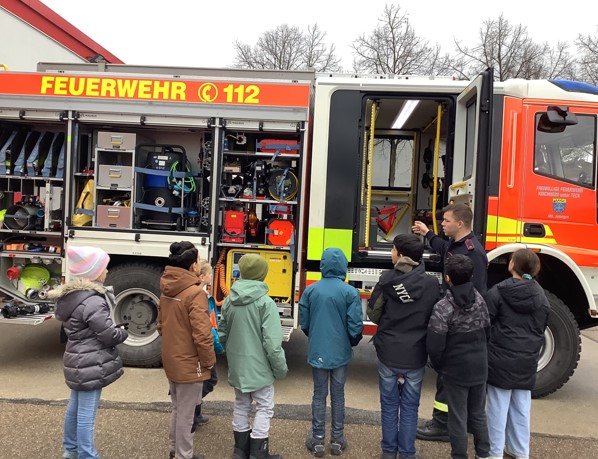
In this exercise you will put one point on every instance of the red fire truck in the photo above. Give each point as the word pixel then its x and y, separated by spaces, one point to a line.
pixel 286 164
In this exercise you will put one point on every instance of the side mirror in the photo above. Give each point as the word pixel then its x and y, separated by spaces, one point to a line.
pixel 544 125
pixel 561 115
pixel 556 119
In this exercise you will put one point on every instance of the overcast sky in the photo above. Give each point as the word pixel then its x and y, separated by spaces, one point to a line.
pixel 200 33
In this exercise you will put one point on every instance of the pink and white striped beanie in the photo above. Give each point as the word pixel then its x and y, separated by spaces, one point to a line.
pixel 86 262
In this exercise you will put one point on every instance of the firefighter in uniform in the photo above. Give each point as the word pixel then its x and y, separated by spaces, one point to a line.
pixel 456 225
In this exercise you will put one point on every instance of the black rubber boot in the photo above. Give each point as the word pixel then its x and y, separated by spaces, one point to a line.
pixel 241 450
pixel 258 449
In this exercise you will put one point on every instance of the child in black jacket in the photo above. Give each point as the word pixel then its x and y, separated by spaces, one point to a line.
pixel 456 342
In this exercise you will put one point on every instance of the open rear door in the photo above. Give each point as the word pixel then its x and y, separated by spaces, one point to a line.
pixel 473 125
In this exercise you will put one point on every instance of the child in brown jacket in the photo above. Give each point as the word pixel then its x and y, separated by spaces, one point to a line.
pixel 187 342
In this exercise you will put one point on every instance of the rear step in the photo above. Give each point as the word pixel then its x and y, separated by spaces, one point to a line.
pixel 32 319
pixel 12 299
pixel 286 332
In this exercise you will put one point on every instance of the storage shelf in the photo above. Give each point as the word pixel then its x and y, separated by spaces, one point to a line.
pixel 110 188
pixel 280 155
pixel 31 232
pixel 254 246
pixel 15 254
pixel 33 177
pixel 258 201
pixel 29 319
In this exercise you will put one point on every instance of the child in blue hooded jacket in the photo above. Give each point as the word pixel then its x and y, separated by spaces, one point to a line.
pixel 330 314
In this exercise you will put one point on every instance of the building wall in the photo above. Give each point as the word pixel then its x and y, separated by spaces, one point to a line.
pixel 28 46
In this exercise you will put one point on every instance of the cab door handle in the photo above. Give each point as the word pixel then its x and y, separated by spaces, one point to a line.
pixel 534 230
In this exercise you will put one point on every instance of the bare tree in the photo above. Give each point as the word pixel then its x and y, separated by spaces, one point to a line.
pixel 559 63
pixel 505 47
pixel 317 54
pixel 446 65
pixel 587 46
pixel 288 48
pixel 393 47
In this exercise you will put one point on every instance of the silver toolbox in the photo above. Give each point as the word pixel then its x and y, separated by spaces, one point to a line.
pixel 113 216
pixel 115 176
pixel 116 141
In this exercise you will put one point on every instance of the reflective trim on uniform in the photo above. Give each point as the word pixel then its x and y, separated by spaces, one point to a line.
pixel 440 406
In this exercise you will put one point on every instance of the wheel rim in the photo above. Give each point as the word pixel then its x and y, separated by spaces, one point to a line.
pixel 138 307
pixel 547 350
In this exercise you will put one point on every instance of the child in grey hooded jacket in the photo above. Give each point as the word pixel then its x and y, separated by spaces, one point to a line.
pixel 91 360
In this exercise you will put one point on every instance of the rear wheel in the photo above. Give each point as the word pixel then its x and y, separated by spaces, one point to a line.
pixel 137 291
pixel 561 350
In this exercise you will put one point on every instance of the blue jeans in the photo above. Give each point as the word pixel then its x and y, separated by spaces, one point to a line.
pixel 338 377
pixel 79 424
pixel 400 391
pixel 508 413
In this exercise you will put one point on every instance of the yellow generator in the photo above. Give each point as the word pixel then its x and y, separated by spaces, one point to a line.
pixel 280 271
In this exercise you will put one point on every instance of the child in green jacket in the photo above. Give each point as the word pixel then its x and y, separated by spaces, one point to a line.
pixel 251 334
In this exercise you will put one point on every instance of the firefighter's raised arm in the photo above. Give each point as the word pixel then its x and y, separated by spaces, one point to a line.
pixel 420 228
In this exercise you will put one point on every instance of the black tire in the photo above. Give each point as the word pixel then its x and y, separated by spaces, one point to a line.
pixel 561 351
pixel 137 291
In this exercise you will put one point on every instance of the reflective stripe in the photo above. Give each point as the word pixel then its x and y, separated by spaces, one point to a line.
pixel 313 276
pixel 440 406
pixel 315 243
pixel 319 239
pixel 340 238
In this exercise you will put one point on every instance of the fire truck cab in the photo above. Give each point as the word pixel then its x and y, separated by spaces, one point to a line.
pixel 521 153
pixel 287 164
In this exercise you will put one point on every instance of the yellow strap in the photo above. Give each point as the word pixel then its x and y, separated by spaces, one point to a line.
pixel 368 209
pixel 441 406
pixel 436 159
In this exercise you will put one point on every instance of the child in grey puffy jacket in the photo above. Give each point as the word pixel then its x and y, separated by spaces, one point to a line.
pixel 91 361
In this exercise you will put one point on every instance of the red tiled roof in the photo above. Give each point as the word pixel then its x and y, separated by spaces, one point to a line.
pixel 39 16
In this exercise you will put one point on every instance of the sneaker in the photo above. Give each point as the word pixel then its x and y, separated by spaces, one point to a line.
pixel 199 421
pixel 430 431
pixel 315 446
pixel 388 455
pixel 337 446
pixel 171 456
pixel 510 454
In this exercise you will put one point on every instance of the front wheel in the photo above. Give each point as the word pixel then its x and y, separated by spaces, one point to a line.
pixel 137 291
pixel 561 350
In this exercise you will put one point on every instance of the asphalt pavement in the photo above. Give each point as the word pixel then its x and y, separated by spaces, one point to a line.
pixel 33 429
pixel 134 413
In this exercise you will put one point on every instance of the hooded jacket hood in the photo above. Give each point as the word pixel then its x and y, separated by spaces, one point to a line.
pixel 245 291
pixel 334 264
pixel 521 295
pixel 70 295
pixel 174 280
pixel 463 295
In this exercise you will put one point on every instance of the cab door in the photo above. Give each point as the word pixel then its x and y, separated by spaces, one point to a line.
pixel 559 186
pixel 473 121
